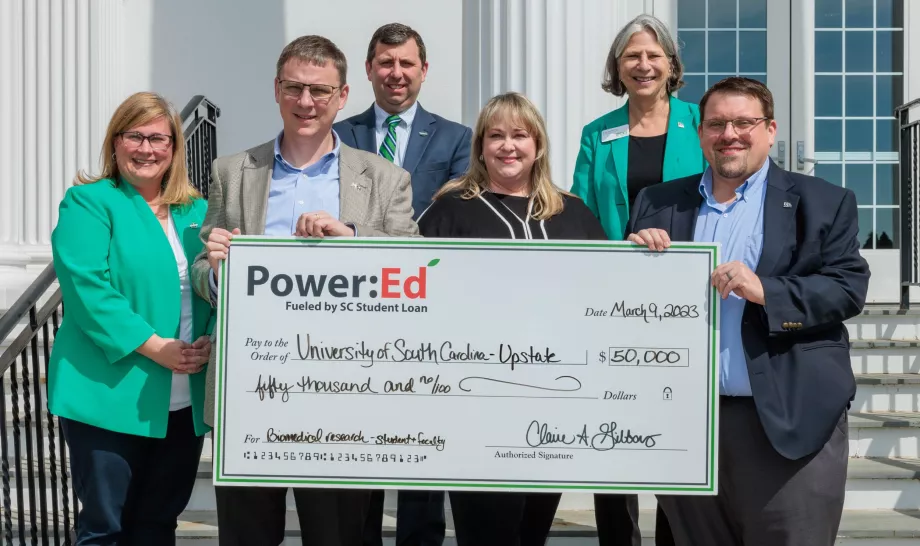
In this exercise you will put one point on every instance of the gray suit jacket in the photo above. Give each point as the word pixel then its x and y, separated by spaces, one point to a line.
pixel 374 195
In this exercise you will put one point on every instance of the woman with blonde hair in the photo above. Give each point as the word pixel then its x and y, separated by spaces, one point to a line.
pixel 507 193
pixel 124 375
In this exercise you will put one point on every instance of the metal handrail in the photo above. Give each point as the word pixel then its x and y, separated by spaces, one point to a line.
pixel 909 163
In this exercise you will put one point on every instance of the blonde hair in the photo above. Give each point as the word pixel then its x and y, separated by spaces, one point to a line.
pixel 140 109
pixel 546 197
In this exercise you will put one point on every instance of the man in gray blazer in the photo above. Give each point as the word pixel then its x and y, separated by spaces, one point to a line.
pixel 305 182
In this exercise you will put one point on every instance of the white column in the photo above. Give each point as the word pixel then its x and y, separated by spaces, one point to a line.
pixel 553 51
pixel 60 62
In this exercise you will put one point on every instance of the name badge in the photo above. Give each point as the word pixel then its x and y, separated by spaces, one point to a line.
pixel 614 133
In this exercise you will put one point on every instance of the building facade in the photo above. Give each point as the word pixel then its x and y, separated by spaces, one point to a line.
pixel 837 69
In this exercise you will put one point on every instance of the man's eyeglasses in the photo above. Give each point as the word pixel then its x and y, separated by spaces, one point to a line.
pixel 742 126
pixel 133 139
pixel 320 92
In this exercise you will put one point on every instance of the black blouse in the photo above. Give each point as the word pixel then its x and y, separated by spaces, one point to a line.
pixel 499 216
pixel 644 167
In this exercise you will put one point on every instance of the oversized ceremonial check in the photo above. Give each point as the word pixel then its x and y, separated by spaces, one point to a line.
pixel 461 364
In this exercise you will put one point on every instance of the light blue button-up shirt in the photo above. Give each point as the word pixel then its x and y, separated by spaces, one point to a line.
pixel 403 130
pixel 738 226
pixel 295 191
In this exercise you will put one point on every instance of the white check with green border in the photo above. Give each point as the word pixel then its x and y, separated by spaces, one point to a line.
pixel 467 364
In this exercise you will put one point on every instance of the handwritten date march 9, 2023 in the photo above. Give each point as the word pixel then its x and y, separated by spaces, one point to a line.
pixel 385 362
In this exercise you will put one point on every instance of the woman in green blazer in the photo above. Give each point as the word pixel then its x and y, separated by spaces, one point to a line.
pixel 653 127
pixel 125 374
pixel 651 139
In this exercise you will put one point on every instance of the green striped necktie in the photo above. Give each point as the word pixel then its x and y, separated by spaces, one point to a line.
pixel 388 148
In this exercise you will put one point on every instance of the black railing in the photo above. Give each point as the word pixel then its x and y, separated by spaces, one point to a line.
pixel 199 119
pixel 38 503
pixel 910 200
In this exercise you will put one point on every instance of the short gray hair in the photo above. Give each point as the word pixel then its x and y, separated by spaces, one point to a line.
pixel 612 83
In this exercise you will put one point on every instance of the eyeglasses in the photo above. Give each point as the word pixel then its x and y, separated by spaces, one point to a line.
pixel 742 126
pixel 320 92
pixel 133 139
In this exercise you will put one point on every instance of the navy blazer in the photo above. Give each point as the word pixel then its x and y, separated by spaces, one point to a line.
pixel 438 150
pixel 814 278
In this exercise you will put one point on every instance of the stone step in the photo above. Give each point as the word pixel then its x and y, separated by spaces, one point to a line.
pixel 884 434
pixel 887 393
pixel 885 356
pixel 882 327
pixel 577 527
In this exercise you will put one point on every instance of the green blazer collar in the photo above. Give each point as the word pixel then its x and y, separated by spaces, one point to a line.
pixel 682 141
pixel 185 218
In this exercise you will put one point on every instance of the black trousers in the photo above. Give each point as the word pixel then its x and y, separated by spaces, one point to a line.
pixel 132 488
pixel 254 516
pixel 617 518
pixel 502 519
pixel 764 499
pixel 420 518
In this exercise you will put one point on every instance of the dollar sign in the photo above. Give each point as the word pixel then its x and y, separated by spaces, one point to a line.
pixel 602 357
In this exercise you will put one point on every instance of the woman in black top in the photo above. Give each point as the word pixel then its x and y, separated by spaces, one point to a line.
pixel 507 193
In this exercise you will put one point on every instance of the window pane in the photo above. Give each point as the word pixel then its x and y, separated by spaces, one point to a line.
pixel 693 89
pixel 865 228
pixel 753 14
pixel 828 135
pixel 693 50
pixel 831 172
pixel 828 51
pixel 859 14
pixel 886 184
pixel 886 140
pixel 762 78
pixel 886 226
pixel 859 179
pixel 722 14
pixel 828 95
pixel 752 51
pixel 859 135
pixel 859 51
pixel 859 96
pixel 722 51
pixel 828 13
pixel 890 51
pixel 691 14
pixel 889 94
pixel 889 13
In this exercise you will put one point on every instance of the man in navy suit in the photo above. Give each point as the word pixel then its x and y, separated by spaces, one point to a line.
pixel 790 275
pixel 433 149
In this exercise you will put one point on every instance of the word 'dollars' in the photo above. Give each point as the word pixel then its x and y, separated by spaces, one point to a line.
pixel 389 284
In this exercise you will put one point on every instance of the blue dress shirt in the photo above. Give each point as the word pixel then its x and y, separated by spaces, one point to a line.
pixel 295 191
pixel 738 226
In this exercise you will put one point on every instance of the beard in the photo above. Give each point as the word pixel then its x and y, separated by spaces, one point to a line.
pixel 732 167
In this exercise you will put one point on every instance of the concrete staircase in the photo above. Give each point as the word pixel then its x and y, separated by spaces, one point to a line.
pixel 882 506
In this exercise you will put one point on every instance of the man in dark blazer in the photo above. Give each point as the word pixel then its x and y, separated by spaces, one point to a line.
pixel 433 149
pixel 790 275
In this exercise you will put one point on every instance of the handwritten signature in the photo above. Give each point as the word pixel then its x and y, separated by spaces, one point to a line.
pixel 607 437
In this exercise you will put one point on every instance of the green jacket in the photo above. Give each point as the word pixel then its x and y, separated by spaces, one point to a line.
pixel 120 285
pixel 600 170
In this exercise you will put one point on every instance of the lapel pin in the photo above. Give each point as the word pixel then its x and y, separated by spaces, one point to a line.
pixel 423 133
pixel 193 225
pixel 680 124
pixel 357 186
pixel 787 205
